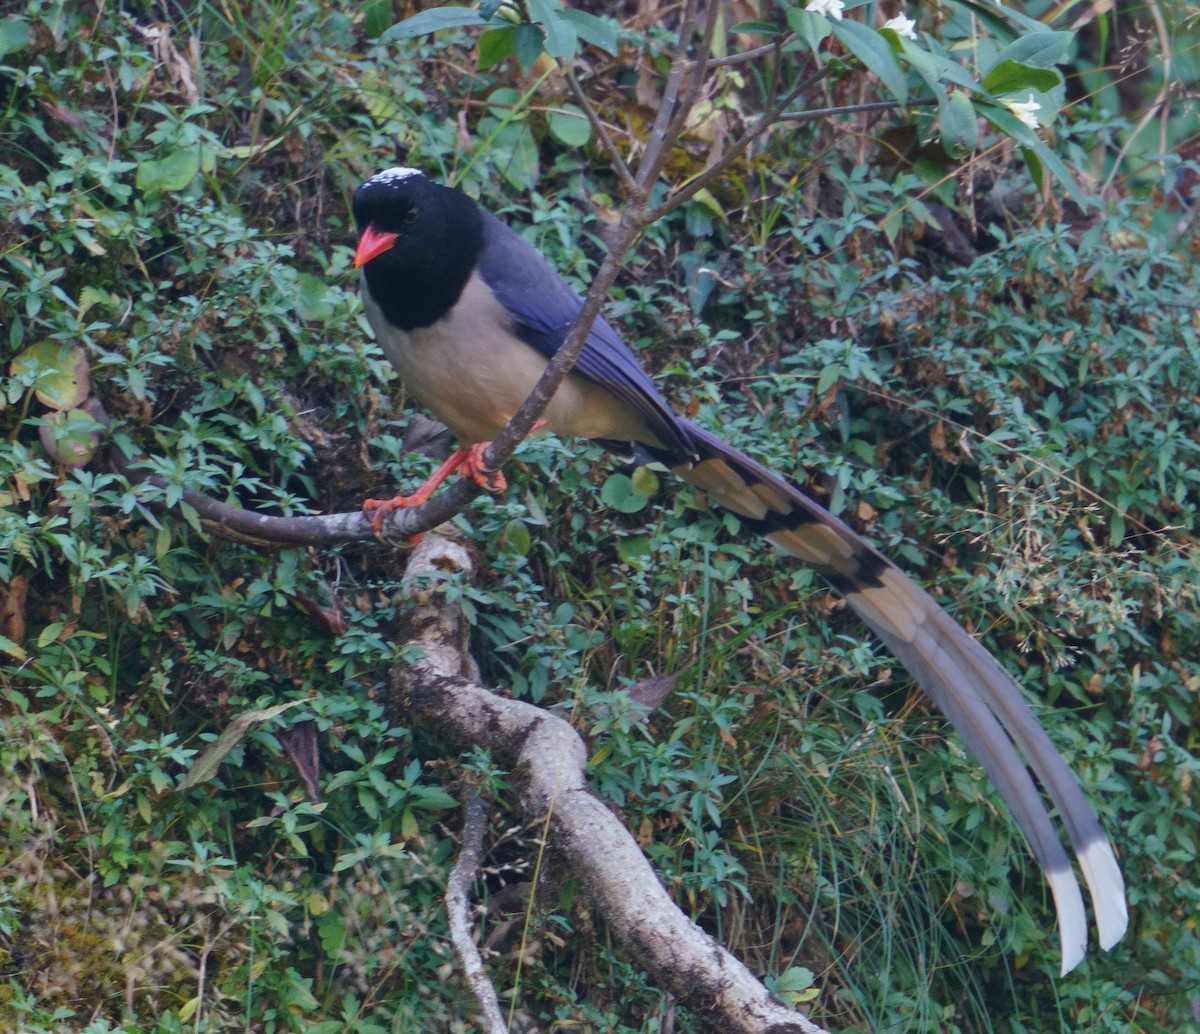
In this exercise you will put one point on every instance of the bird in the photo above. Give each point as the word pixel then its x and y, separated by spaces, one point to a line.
pixel 469 313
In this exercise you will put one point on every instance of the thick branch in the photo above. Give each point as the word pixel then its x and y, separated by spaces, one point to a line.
pixel 232 522
pixel 548 760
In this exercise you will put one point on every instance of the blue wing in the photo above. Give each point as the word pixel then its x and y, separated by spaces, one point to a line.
pixel 543 309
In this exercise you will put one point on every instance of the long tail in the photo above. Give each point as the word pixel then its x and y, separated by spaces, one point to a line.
pixel 978 696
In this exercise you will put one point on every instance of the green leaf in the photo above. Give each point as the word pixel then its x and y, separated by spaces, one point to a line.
pixel 1005 121
pixel 634 548
pixel 91 296
pixel 828 377
pixel 1000 19
pixel 313 300
pixel 876 54
pixel 48 634
pixel 599 32
pixel 927 68
pixel 376 17
pixel 1035 167
pixel 71 436
pixel 61 375
pixel 241 151
pixel 205 766
pixel 1116 530
pixel 645 481
pixel 434 798
pixel 505 104
pixel 12 649
pixel 507 136
pixel 561 40
pixel 619 493
pixel 496 45
pixel 938 65
pixel 516 538
pixel 756 28
pixel 172 173
pixel 795 985
pixel 14 36
pixel 1014 77
pixel 1044 49
pixel 936 174
pixel 433 20
pixel 569 126
pixel 960 125
pixel 410 828
pixel 529 45
pixel 811 28
pixel 331 931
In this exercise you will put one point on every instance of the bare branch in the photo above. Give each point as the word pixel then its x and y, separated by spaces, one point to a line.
pixel 232 522
pixel 619 165
pixel 658 143
pixel 458 904
pixel 735 150
pixel 683 107
pixel 847 109
pixel 744 56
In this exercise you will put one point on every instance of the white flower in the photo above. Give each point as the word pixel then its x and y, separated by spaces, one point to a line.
pixel 902 25
pixel 830 8
pixel 1026 111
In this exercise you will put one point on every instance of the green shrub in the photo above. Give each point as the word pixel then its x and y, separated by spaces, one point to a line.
pixel 1020 432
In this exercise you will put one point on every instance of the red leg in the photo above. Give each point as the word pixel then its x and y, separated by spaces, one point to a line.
pixel 470 458
pixel 474 468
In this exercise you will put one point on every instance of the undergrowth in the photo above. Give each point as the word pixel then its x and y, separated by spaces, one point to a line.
pixel 1020 432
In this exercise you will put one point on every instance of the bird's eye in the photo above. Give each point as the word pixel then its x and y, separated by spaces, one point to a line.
pixel 411 216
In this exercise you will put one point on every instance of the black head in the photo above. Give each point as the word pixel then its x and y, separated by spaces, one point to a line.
pixel 417 244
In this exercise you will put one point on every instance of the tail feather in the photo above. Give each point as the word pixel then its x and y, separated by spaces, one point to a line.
pixel 969 686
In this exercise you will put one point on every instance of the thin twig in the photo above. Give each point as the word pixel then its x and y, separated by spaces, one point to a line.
pixel 848 109
pixel 620 166
pixel 760 126
pixel 458 903
pixel 657 142
pixel 694 84
pixel 633 221
pixel 750 55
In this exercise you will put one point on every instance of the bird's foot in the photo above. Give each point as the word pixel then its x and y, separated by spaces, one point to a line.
pixel 474 467
pixel 469 458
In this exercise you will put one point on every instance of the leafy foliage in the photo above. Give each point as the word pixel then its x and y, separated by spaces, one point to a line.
pixel 1020 429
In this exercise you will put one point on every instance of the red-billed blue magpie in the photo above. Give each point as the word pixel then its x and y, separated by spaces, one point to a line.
pixel 469 314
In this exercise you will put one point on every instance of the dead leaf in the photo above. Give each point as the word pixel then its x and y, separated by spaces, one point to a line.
pixel 205 766
pixel 12 608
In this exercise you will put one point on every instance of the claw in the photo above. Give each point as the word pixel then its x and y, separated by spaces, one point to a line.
pixel 469 458
pixel 473 467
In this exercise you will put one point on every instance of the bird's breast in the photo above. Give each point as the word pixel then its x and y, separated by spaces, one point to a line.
pixel 473 373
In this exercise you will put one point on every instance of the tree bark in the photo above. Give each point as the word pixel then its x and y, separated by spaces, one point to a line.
pixel 547 759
